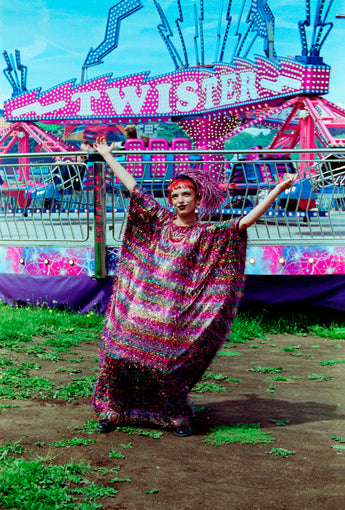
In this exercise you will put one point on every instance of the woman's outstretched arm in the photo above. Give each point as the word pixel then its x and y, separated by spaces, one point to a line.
pixel 119 171
pixel 262 207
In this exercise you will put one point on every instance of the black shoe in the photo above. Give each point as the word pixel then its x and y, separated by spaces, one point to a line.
pixel 182 432
pixel 106 426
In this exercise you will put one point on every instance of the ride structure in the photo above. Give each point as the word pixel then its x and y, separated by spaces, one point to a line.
pixel 207 99
pixel 211 100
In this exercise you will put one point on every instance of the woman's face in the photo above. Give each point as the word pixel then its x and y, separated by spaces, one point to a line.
pixel 184 201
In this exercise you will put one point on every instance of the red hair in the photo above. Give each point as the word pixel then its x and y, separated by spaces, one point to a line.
pixel 181 182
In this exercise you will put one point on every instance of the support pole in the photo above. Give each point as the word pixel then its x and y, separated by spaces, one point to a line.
pixel 99 204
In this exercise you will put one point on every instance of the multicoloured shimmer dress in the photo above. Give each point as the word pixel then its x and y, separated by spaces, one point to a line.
pixel 174 299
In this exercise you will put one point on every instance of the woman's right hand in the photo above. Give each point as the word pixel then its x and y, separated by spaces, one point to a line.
pixel 119 171
pixel 102 147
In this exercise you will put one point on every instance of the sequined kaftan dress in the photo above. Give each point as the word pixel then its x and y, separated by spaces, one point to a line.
pixel 174 299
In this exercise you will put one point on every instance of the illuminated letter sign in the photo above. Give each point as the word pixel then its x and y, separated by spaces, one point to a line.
pixel 196 91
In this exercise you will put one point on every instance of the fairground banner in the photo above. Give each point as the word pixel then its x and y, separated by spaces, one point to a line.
pixel 187 92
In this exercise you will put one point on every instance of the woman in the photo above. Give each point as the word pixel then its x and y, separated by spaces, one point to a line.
pixel 175 295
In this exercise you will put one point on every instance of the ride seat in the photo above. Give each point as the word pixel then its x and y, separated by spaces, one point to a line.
pixel 182 160
pixel 159 165
pixel 134 162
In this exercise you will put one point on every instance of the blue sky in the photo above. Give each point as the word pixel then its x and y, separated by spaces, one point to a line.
pixel 54 38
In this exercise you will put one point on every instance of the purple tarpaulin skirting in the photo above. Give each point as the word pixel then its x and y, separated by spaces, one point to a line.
pixel 79 293
pixel 82 293
pixel 326 290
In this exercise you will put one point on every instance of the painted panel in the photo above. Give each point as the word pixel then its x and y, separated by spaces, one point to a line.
pixel 261 260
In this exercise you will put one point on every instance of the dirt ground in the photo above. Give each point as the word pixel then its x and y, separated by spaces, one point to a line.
pixel 303 414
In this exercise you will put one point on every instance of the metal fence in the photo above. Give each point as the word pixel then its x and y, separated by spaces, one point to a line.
pixel 43 201
pixel 46 200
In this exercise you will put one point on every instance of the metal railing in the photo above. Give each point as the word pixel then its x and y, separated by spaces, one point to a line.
pixel 53 201
pixel 43 201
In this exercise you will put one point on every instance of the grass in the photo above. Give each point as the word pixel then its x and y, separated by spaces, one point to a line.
pixel 41 341
pixel 296 353
pixel 3 407
pixel 335 331
pixel 239 433
pixel 12 447
pixel 15 383
pixel 32 485
pixel 154 434
pixel 76 441
pixel 259 322
pixel 23 325
pixel 320 377
pixel 113 454
pixel 78 388
pixel 291 348
pixel 340 443
pixel 124 446
pixel 209 387
pixel 265 370
pixel 20 325
pixel 117 479
pixel 279 378
pixel 281 452
pixel 233 380
pixel 246 327
pixel 280 423
pixel 339 439
pixel 271 389
pixel 88 427
pixel 213 375
pixel 106 471
pixel 228 352
pixel 331 362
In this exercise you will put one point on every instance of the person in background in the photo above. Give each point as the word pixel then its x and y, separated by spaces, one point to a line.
pixel 86 146
pixel 146 140
pixel 87 173
pixel 175 296
pixel 130 133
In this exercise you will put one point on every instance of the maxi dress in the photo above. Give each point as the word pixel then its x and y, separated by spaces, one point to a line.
pixel 175 296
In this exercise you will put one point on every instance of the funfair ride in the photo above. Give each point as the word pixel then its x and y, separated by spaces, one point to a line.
pixel 210 101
